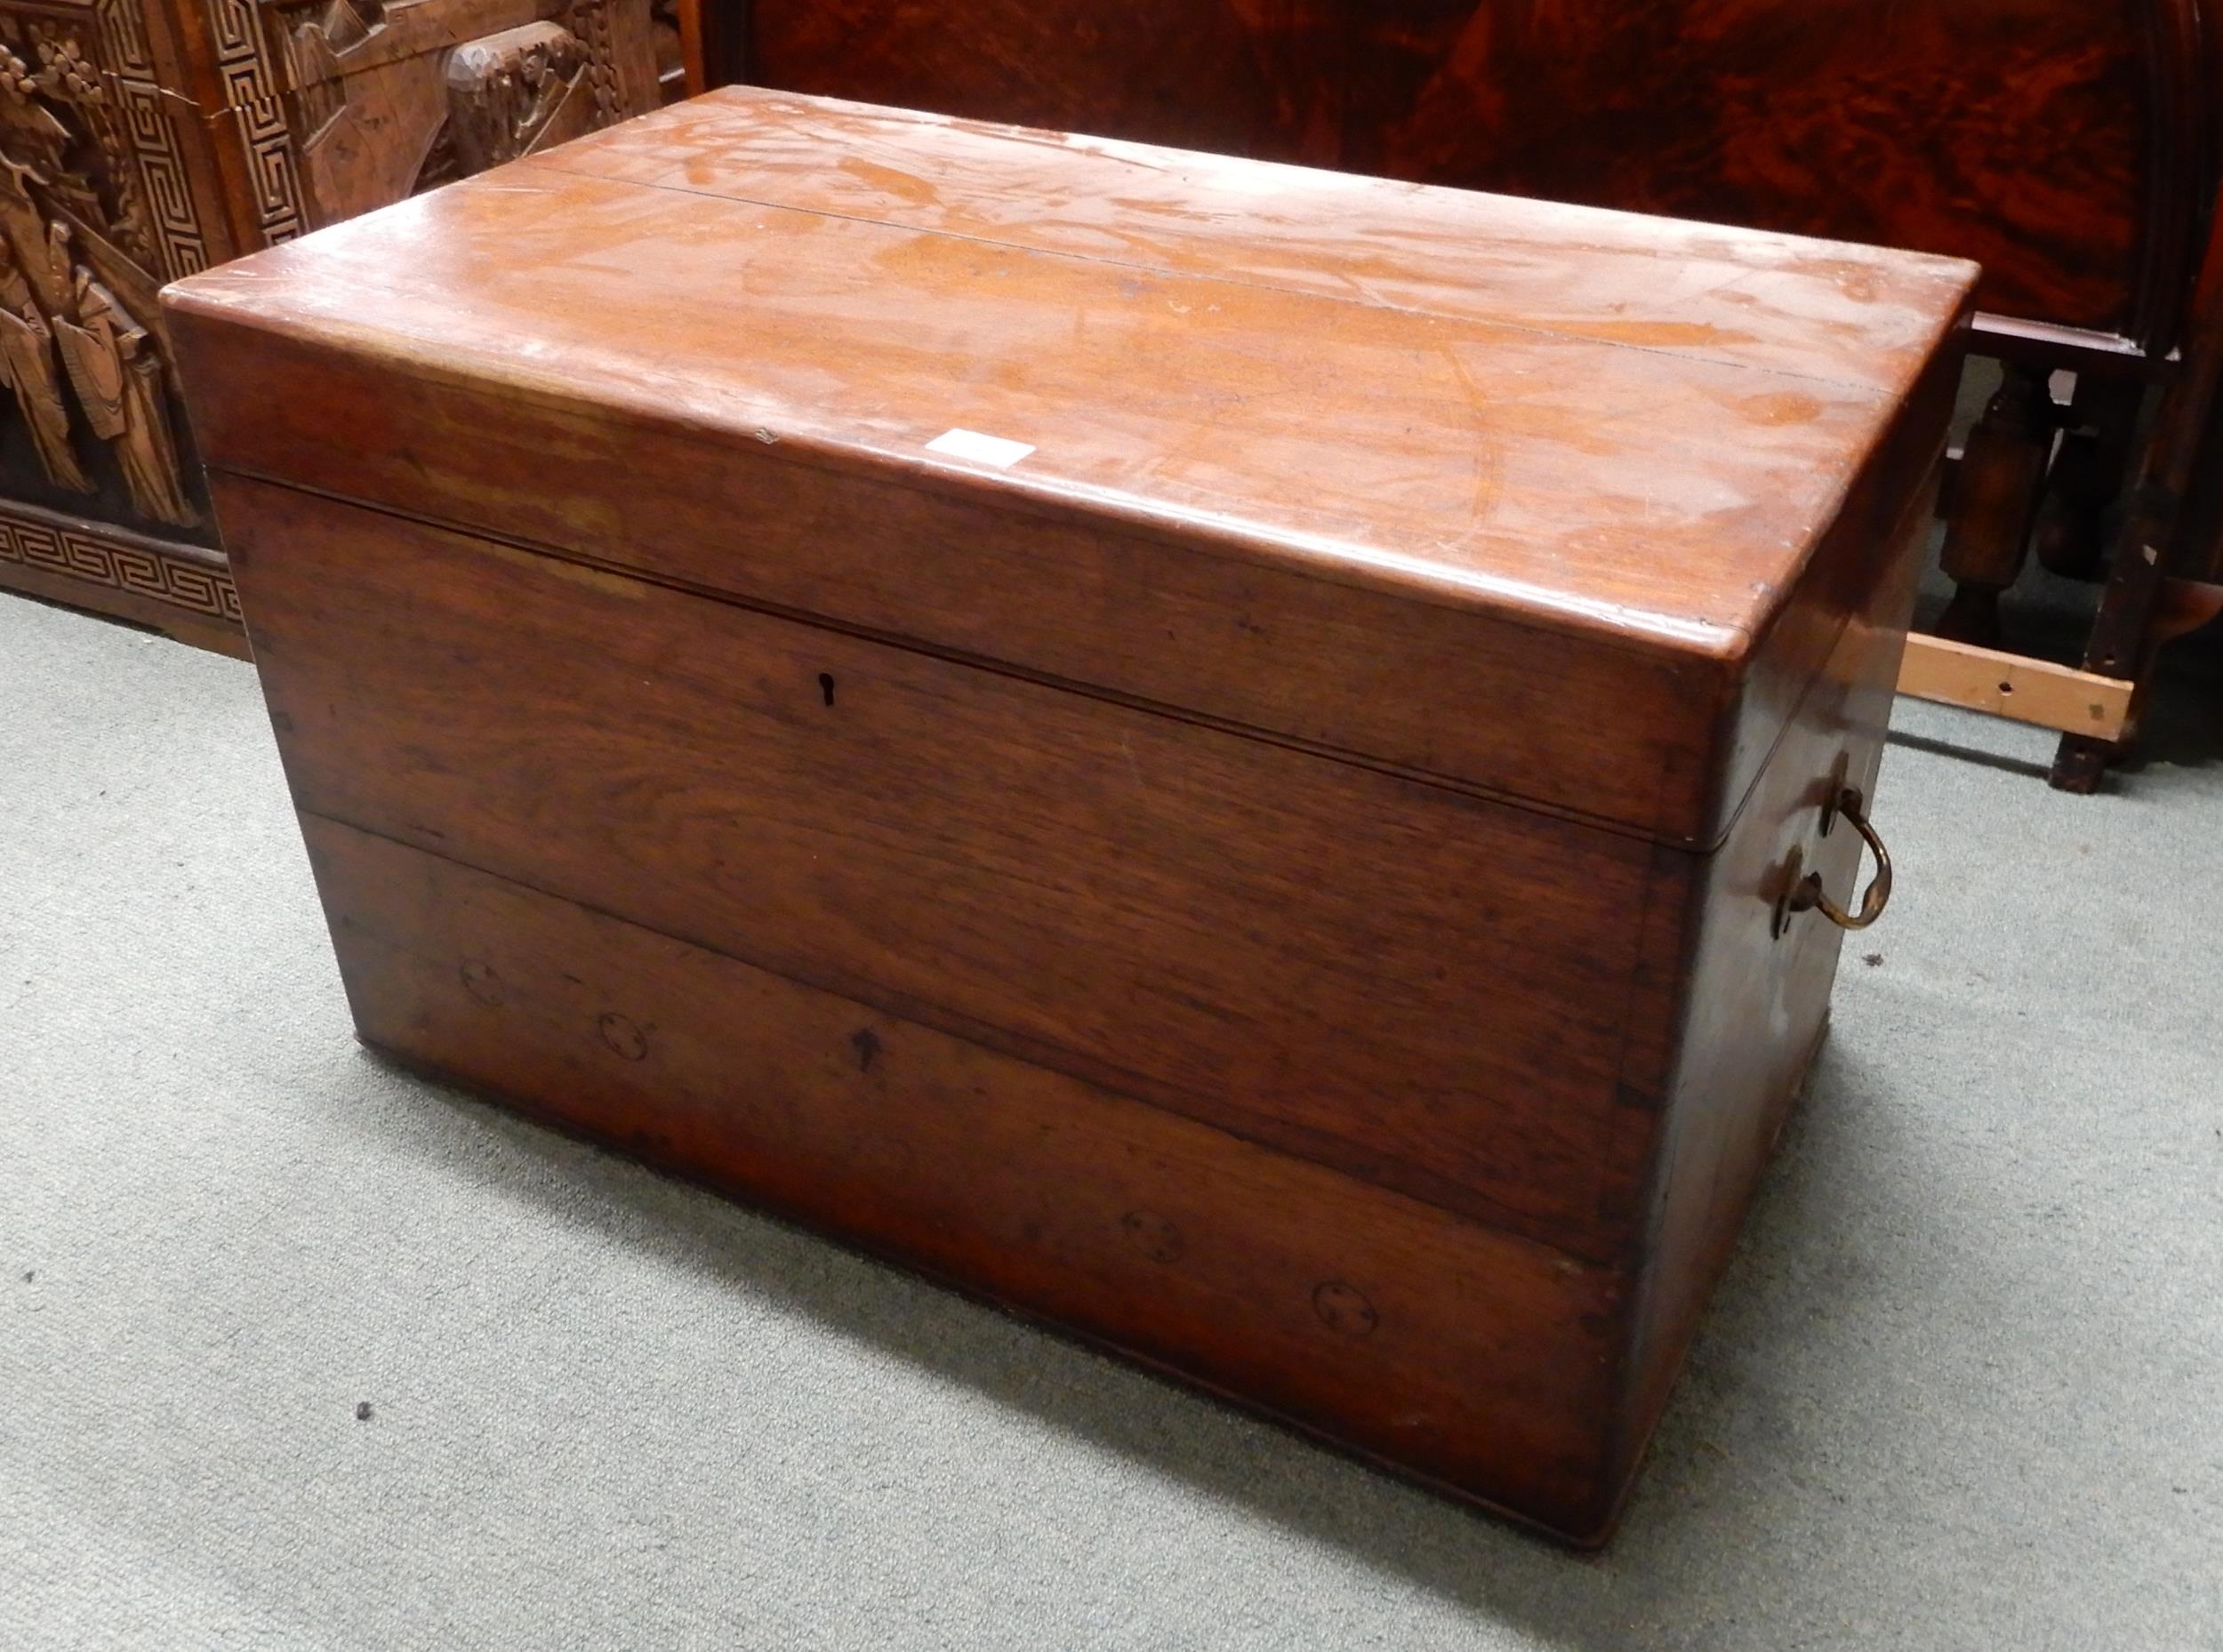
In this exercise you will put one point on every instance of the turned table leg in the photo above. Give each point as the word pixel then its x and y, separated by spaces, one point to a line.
pixel 1996 496
pixel 2088 475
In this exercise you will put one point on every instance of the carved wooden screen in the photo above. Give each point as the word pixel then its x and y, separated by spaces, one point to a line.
pixel 143 139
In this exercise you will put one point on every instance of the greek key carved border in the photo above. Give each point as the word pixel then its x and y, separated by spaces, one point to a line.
pixel 252 85
pixel 183 576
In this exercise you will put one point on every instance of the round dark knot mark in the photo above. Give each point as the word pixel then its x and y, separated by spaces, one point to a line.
pixel 1153 1235
pixel 1344 1308
pixel 624 1036
pixel 481 982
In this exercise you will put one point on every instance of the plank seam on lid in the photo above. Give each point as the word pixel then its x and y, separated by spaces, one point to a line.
pixel 1744 239
pixel 1869 393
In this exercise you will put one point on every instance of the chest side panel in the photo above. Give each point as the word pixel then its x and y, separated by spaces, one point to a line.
pixel 1757 999
pixel 1426 990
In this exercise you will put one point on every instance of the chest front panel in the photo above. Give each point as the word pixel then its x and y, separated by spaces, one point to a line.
pixel 1426 989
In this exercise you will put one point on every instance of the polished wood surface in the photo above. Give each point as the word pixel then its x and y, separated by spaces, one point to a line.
pixel 1845 313
pixel 1757 986
pixel 1621 498
pixel 2021 133
pixel 1278 854
pixel 935 841
pixel 385 97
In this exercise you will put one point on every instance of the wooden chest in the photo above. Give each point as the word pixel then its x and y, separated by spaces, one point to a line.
pixel 1224 755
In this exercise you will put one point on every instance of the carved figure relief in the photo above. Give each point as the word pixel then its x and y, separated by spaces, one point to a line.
pixel 318 42
pixel 118 379
pixel 142 140
pixel 522 90
pixel 27 355
pixel 383 102
pixel 82 256
pixel 342 106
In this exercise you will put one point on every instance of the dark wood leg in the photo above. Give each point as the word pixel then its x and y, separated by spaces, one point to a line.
pixel 2179 608
pixel 2088 475
pixel 714 35
pixel 2137 609
pixel 1995 495
pixel 2120 634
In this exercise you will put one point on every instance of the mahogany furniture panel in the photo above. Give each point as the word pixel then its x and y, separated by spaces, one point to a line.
pixel 2012 132
pixel 1383 1322
pixel 1171 713
pixel 142 140
pixel 846 844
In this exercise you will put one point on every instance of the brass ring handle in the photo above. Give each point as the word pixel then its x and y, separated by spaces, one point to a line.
pixel 1810 896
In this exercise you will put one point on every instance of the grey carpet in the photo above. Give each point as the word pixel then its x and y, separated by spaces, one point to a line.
pixel 1963 1388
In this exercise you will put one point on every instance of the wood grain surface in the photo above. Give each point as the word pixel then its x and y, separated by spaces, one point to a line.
pixel 1852 314
pixel 1442 1347
pixel 2028 691
pixel 1420 988
pixel 1756 990
pixel 1569 482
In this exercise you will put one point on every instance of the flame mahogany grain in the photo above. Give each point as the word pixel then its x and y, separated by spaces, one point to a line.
pixel 2012 132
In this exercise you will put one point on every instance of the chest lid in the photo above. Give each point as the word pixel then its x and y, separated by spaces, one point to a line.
pixel 1543 502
